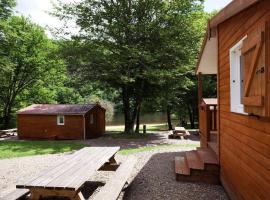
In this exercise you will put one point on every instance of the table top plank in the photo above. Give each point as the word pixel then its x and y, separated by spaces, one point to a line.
pixel 89 170
pixel 53 171
pixel 68 175
pixel 73 171
pixel 70 165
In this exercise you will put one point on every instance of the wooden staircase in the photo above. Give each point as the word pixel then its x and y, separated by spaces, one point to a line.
pixel 199 165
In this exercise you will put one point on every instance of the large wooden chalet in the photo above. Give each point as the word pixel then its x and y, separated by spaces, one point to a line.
pixel 235 128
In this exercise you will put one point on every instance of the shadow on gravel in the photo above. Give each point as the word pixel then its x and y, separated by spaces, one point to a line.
pixel 156 181
pixel 152 140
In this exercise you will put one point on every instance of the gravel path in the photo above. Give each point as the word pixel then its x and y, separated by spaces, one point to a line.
pixel 152 178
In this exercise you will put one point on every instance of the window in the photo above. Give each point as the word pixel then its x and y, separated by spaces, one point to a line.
pixel 237 78
pixel 91 119
pixel 60 120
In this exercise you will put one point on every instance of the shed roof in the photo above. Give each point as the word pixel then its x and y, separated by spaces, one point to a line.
pixel 56 109
pixel 210 101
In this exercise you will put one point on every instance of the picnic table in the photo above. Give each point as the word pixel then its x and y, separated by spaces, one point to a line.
pixel 179 133
pixel 67 177
pixel 8 132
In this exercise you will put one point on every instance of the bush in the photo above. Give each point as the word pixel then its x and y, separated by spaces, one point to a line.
pixel 109 106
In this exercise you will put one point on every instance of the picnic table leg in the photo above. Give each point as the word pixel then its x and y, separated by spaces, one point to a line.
pixel 34 195
pixel 79 196
pixel 111 165
pixel 112 160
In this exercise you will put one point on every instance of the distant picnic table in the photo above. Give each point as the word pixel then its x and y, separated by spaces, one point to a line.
pixel 67 177
pixel 8 132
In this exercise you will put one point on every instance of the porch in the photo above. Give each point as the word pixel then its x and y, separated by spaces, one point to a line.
pixel 208 124
pixel 202 164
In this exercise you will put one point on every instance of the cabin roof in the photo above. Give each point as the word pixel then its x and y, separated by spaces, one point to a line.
pixel 208 58
pixel 56 109
pixel 210 101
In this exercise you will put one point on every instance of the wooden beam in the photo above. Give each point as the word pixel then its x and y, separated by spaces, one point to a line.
pixel 251 42
pixel 200 88
pixel 230 10
pixel 253 101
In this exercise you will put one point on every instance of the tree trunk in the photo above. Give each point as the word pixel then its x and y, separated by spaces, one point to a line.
pixel 127 113
pixel 169 120
pixel 7 115
pixel 191 117
pixel 137 130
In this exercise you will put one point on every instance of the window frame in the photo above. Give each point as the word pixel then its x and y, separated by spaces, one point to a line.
pixel 59 123
pixel 236 75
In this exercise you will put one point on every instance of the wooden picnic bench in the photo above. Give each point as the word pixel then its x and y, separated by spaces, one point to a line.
pixel 179 133
pixel 67 177
pixel 8 132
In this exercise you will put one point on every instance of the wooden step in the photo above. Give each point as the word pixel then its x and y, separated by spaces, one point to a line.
pixel 207 156
pixel 214 132
pixel 197 166
pixel 193 160
pixel 181 166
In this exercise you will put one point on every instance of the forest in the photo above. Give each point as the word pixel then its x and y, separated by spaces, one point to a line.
pixel 131 56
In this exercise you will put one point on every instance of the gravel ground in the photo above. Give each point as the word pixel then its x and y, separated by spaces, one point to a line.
pixel 152 178
pixel 160 138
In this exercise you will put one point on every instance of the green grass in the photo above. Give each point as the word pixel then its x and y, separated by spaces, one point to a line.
pixel 121 135
pixel 11 149
pixel 149 127
pixel 155 127
pixel 153 148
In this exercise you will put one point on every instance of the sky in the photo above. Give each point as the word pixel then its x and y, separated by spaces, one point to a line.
pixel 37 10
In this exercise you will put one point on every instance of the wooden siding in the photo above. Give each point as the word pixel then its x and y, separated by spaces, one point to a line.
pixel 98 127
pixel 244 140
pixel 45 127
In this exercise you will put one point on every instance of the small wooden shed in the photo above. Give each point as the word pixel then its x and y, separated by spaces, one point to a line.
pixel 61 121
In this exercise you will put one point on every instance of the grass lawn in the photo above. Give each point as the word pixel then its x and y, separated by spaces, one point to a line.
pixel 11 149
pixel 152 148
pixel 121 135
pixel 149 127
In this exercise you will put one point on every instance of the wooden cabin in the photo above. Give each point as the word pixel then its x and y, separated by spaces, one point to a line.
pixel 46 121
pixel 236 49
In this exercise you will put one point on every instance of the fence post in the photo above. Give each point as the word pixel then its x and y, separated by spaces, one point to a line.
pixel 144 129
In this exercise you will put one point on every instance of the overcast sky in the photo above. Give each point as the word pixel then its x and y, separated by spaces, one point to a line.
pixel 37 10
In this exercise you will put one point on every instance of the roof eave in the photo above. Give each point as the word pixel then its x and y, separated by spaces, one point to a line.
pixel 233 8
pixel 227 12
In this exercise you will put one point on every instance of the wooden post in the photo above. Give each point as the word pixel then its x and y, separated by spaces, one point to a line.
pixel 200 88
pixel 144 129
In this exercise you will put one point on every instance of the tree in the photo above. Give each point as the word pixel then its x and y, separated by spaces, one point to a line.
pixel 130 45
pixel 29 57
pixel 6 8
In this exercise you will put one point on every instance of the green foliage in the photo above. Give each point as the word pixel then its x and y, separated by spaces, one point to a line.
pixel 105 104
pixel 6 8
pixel 30 65
pixel 134 47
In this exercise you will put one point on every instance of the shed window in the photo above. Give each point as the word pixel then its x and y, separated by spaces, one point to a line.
pixel 91 119
pixel 60 120
pixel 237 78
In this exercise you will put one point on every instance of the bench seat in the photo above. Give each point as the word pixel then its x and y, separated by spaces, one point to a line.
pixel 16 194
pixel 112 189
